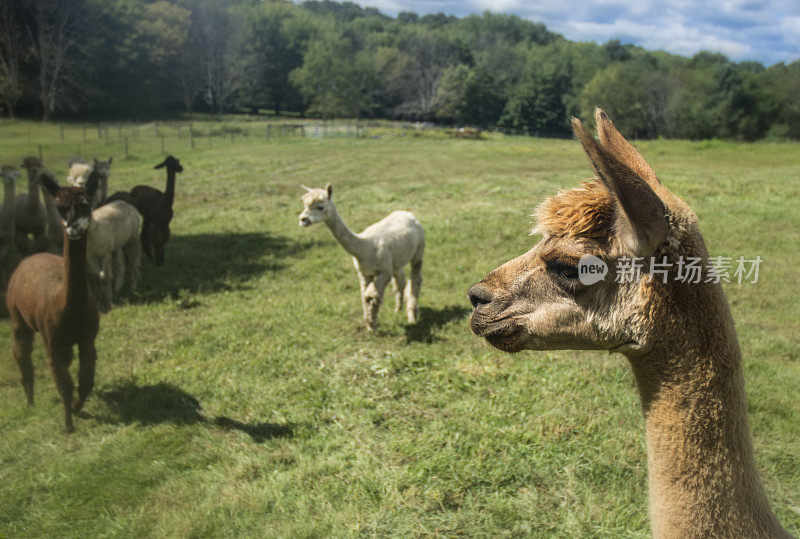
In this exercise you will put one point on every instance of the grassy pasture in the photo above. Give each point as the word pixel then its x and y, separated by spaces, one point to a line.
pixel 238 393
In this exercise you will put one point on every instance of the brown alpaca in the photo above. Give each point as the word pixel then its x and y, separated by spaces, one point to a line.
pixel 30 216
pixel 50 294
pixel 156 209
pixel 678 336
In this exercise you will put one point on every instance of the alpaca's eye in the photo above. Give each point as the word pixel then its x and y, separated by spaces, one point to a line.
pixel 319 208
pixel 563 269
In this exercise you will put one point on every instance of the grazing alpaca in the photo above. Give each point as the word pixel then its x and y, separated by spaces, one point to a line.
pixel 79 171
pixel 156 209
pixel 50 294
pixel 379 252
pixel 678 336
pixel 30 216
pixel 10 177
pixel 113 250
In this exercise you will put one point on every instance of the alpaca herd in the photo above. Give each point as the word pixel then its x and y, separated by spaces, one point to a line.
pixel 59 296
pixel 678 337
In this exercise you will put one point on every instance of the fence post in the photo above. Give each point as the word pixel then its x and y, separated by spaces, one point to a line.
pixel 126 148
pixel 155 128
pixel 191 136
pixel 163 144
pixel 61 132
pixel 266 132
pixel 79 150
pixel 84 133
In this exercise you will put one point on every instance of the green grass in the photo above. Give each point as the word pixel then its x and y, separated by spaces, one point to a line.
pixel 238 393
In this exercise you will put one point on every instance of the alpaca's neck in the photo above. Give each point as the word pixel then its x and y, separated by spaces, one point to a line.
pixel 169 194
pixel 76 274
pixel 353 244
pixel 7 217
pixel 34 194
pixel 703 479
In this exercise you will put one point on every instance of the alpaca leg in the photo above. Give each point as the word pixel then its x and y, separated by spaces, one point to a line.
pixel 373 296
pixel 414 286
pixel 106 279
pixel 88 358
pixel 23 243
pixel 22 348
pixel 399 285
pixel 40 243
pixel 160 235
pixel 363 282
pixel 132 262
pixel 118 269
pixel 95 280
pixel 60 358
pixel 147 238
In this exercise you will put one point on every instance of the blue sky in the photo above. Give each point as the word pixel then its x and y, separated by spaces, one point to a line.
pixel 764 30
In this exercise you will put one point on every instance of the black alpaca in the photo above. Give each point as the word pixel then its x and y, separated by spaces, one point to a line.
pixel 156 210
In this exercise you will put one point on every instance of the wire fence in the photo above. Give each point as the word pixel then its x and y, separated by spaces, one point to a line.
pixel 130 140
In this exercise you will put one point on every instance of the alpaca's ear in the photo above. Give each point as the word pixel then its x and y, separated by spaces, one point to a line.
pixel 329 190
pixel 92 183
pixel 49 182
pixel 641 224
pixel 614 143
pixel 308 189
pixel 161 165
pixel 110 159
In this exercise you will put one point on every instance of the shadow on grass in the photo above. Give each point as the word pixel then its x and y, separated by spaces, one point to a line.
pixel 213 262
pixel 165 403
pixel 430 319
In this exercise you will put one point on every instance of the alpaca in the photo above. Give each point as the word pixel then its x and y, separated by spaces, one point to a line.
pixel 678 337
pixel 156 209
pixel 50 294
pixel 79 171
pixel 379 252
pixel 30 216
pixel 10 176
pixel 113 250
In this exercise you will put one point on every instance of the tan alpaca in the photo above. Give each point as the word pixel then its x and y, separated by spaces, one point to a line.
pixel 678 337
pixel 79 171
pixel 379 252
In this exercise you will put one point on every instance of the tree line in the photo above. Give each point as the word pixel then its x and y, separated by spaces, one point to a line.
pixel 145 59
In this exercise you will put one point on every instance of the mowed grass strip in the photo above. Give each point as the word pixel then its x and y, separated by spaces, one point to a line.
pixel 238 393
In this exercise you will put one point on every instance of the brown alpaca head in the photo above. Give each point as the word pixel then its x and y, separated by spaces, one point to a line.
pixel 538 301
pixel 171 164
pixel 73 203
pixel 33 165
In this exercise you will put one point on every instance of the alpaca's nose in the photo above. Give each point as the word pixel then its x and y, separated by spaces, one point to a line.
pixel 305 221
pixel 478 295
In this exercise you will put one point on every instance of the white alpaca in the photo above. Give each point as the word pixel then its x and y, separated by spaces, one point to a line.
pixel 379 252
pixel 79 171
pixel 113 250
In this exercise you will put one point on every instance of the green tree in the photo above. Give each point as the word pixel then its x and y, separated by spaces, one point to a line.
pixel 335 80
pixel 538 103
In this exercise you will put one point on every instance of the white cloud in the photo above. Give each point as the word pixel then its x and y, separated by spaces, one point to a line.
pixel 763 30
